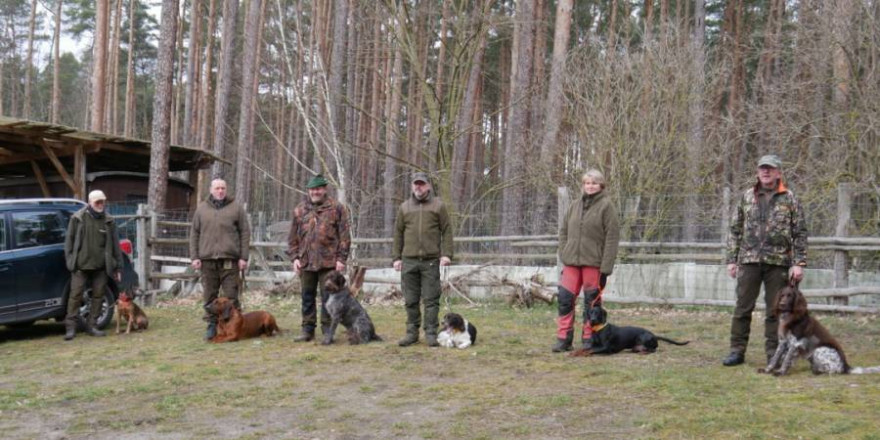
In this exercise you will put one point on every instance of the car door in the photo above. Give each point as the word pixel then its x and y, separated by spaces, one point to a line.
pixel 40 270
pixel 7 275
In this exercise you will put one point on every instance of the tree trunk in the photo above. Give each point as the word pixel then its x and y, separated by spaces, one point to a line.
pixel 612 27
pixel 464 124
pixel 206 116
pixel 28 68
pixel 162 107
pixel 112 110
pixel 337 68
pixel 99 64
pixel 555 104
pixel 230 15
pixel 695 141
pixel 245 118
pixel 128 126
pixel 517 129
pixel 56 67
pixel 392 134
pixel 190 103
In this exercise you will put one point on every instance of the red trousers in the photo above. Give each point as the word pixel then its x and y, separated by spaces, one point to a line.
pixel 571 282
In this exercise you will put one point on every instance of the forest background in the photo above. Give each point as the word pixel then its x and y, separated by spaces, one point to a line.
pixel 501 101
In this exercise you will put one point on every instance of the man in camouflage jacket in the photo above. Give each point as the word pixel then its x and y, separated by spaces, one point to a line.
pixel 319 241
pixel 767 244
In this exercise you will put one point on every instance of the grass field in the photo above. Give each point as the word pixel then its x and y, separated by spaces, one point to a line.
pixel 168 383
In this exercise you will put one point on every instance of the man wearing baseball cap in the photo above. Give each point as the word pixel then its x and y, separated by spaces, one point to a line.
pixel 319 242
pixel 767 245
pixel 91 251
pixel 422 243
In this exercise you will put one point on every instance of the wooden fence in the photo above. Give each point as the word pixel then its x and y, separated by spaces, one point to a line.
pixel 533 248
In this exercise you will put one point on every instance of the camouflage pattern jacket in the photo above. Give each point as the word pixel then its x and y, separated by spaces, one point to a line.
pixel 319 234
pixel 777 236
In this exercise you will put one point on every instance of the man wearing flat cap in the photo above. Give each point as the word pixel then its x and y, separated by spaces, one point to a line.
pixel 219 246
pixel 422 243
pixel 767 245
pixel 91 251
pixel 319 242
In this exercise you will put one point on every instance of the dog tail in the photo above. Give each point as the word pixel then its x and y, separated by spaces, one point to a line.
pixel 864 370
pixel 671 341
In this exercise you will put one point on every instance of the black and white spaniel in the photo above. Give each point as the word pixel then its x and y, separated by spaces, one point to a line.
pixel 457 332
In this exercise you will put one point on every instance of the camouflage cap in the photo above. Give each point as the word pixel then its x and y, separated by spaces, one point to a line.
pixel 317 181
pixel 420 177
pixel 770 160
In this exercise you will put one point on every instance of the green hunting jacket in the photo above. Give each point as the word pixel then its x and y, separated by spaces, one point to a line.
pixel 591 233
pixel 75 243
pixel 220 231
pixel 422 229
pixel 777 236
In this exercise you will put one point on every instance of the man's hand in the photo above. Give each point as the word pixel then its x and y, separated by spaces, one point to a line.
pixel 297 265
pixel 196 264
pixel 242 264
pixel 398 265
pixel 445 261
pixel 340 266
pixel 796 274
pixel 731 270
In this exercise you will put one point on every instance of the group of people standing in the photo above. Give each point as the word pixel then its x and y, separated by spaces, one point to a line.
pixel 320 242
pixel 766 246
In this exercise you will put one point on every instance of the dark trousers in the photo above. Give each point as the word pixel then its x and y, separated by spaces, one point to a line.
pixel 217 274
pixel 749 278
pixel 420 279
pixel 311 281
pixel 79 279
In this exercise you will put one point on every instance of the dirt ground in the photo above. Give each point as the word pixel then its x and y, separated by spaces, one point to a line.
pixel 167 383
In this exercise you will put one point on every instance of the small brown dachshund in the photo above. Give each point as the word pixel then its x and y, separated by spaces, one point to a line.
pixel 233 326
pixel 135 317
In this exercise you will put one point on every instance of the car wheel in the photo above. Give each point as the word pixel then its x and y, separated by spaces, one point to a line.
pixel 107 307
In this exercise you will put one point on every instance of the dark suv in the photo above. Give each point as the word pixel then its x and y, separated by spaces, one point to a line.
pixel 34 281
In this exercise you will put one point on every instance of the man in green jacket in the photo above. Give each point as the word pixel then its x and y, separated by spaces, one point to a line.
pixel 767 245
pixel 219 245
pixel 91 251
pixel 422 243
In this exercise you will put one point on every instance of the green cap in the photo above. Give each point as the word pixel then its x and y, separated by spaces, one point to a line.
pixel 420 177
pixel 317 181
pixel 770 160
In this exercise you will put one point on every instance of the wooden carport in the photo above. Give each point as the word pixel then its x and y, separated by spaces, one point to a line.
pixel 31 149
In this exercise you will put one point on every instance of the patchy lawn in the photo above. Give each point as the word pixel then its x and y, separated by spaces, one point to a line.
pixel 168 383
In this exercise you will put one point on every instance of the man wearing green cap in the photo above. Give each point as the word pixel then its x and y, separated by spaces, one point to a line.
pixel 319 242
pixel 767 245
pixel 422 243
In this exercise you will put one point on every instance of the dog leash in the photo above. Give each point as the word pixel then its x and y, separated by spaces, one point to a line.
pixel 444 279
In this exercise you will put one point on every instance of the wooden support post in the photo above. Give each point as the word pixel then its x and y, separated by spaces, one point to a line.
pixel 79 173
pixel 844 206
pixel 59 167
pixel 564 201
pixel 194 196
pixel 41 179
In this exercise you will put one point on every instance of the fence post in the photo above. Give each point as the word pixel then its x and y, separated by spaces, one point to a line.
pixel 844 206
pixel 143 249
pixel 725 217
pixel 563 202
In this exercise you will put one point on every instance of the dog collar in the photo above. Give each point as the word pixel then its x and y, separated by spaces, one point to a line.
pixel 598 328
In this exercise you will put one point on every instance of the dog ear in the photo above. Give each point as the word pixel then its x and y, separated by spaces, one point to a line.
pixel 800 303
pixel 227 311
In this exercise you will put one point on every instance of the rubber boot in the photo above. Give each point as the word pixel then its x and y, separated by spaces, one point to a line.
pixel 211 331
pixel 305 336
pixel 564 344
pixel 410 339
pixel 70 330
pixel 431 340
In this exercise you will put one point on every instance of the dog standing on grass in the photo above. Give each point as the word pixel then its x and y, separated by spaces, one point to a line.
pixel 457 332
pixel 346 310
pixel 135 317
